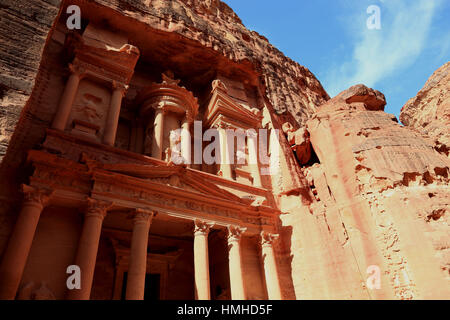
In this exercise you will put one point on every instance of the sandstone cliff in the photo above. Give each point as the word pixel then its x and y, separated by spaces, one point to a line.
pixel 381 199
pixel 24 27
pixel 429 110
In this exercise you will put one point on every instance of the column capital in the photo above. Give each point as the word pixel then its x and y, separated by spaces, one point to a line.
pixel 36 196
pixel 267 239
pixel 235 233
pixel 160 107
pixel 77 70
pixel 119 86
pixel 202 227
pixel 142 215
pixel 97 208
pixel 251 133
pixel 221 124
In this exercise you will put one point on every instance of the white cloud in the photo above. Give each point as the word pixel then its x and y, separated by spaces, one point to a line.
pixel 378 54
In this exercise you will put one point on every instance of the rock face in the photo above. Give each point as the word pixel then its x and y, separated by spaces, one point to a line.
pixel 429 111
pixel 383 191
pixel 24 30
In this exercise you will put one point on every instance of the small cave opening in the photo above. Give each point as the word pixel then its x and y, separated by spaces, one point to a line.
pixel 302 160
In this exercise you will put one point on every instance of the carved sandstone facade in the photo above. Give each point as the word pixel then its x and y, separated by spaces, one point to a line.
pixel 89 177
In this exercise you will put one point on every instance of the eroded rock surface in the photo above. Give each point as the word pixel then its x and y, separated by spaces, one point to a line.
pixel 24 28
pixel 429 110
pixel 388 187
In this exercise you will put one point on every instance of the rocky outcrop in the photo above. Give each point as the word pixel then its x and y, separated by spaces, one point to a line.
pixel 383 191
pixel 24 29
pixel 429 110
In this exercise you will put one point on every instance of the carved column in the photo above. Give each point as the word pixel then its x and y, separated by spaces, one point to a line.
pixel 235 262
pixel 225 162
pixel 158 135
pixel 186 140
pixel 270 266
pixel 201 260
pixel 88 247
pixel 112 122
pixel 138 255
pixel 19 245
pixel 68 97
pixel 253 157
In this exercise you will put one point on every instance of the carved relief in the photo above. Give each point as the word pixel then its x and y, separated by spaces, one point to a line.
pixel 31 291
pixel 91 105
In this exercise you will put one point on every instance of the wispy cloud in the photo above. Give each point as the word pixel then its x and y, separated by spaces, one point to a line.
pixel 378 54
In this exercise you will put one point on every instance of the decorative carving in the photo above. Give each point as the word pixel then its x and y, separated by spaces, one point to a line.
pixel 235 233
pixel 122 87
pixel 89 107
pixel 202 227
pixel 219 84
pixel 97 208
pixel 32 292
pixel 77 69
pixel 36 196
pixel 267 238
pixel 142 216
pixel 42 293
pixel 174 181
pixel 169 78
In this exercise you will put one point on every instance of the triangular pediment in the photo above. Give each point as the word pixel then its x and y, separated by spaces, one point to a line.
pixel 174 176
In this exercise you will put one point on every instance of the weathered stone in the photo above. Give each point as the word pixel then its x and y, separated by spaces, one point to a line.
pixel 429 111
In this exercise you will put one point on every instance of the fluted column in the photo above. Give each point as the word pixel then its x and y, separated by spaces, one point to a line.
pixel 68 97
pixel 158 135
pixel 270 266
pixel 225 162
pixel 138 255
pixel 88 247
pixel 253 157
pixel 112 122
pixel 19 245
pixel 186 140
pixel 201 260
pixel 235 262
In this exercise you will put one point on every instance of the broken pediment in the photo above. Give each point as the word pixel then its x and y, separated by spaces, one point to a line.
pixel 102 62
pixel 223 107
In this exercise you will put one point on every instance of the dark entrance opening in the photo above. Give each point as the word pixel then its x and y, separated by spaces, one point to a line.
pixel 152 286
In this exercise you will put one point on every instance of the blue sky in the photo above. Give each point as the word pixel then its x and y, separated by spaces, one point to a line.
pixel 331 38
